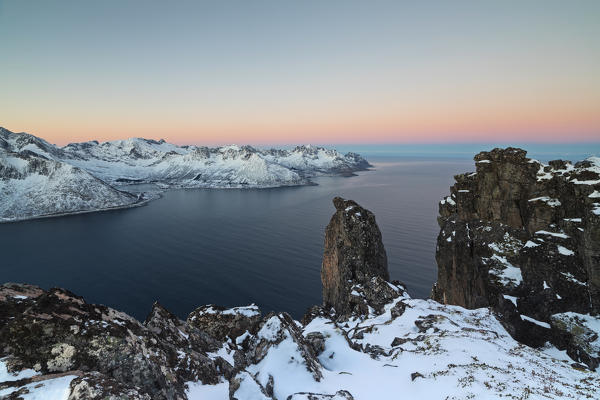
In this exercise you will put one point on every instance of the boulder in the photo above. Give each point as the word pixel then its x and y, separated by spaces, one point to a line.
pixel 225 323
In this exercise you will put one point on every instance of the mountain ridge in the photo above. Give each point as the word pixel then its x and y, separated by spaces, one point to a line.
pixel 138 160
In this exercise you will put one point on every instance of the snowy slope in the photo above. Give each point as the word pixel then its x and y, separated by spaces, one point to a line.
pixel 38 178
pixel 24 142
pixel 430 351
pixel 414 349
pixel 33 186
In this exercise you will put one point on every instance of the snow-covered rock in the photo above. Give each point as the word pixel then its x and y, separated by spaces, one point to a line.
pixel 420 348
pixel 525 241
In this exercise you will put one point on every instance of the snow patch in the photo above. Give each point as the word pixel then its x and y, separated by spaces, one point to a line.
pixel 555 234
pixel 535 321
pixel 513 299
pixel 198 391
pixel 270 329
pixel 548 200
pixel 247 311
pixel 564 251
pixel 50 389
pixel 572 278
pixel 510 275
pixel 6 376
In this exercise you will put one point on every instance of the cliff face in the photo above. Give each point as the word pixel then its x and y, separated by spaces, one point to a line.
pixel 354 255
pixel 524 238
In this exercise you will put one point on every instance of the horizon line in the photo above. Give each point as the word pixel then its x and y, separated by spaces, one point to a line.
pixel 375 142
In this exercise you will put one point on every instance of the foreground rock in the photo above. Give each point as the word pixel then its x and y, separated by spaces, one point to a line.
pixel 523 238
pixel 54 345
pixel 55 331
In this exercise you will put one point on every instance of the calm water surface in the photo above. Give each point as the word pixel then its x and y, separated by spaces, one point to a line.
pixel 231 247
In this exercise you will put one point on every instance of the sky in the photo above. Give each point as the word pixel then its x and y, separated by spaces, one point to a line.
pixel 283 72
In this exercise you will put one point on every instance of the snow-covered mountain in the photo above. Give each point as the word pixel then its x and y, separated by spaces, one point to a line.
pixel 144 160
pixel 32 185
pixel 96 168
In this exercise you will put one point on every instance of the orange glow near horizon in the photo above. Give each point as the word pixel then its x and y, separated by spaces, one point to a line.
pixel 411 126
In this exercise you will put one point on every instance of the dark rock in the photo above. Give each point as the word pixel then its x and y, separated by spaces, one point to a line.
pixel 96 386
pixel 269 387
pixel 571 332
pixel 166 325
pixel 398 309
pixel 375 351
pixel 56 331
pixel 314 312
pixel 222 323
pixel 339 395
pixel 353 256
pixel 316 340
pixel 416 375
pixel 398 341
pixel 520 231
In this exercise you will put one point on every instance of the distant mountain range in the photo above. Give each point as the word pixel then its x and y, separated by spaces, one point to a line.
pixel 40 179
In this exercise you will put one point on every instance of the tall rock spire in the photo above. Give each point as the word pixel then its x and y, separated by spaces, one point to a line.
pixel 354 254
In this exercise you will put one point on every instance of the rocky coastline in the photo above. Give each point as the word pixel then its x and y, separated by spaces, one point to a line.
pixel 492 331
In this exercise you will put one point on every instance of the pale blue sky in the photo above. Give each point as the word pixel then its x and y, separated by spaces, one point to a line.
pixel 283 71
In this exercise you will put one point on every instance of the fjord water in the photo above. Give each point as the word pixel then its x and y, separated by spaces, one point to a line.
pixel 231 247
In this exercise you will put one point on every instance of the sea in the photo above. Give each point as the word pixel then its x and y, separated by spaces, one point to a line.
pixel 234 247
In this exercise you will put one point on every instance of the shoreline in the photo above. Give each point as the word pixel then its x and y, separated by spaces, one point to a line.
pixel 158 194
pixel 66 214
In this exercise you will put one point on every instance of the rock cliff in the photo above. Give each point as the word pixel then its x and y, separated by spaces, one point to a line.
pixel 523 238
pixel 354 257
